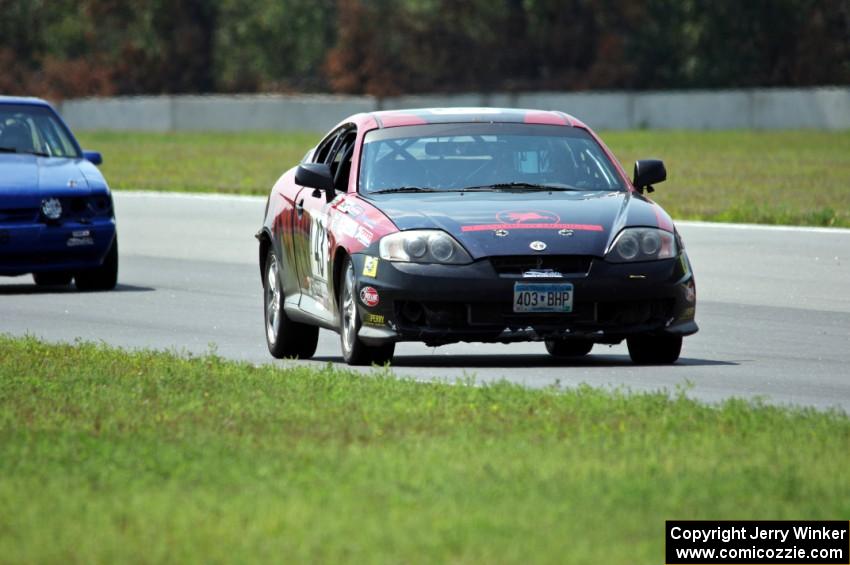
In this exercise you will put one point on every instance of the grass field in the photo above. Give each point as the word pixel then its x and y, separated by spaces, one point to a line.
pixel 144 457
pixel 791 177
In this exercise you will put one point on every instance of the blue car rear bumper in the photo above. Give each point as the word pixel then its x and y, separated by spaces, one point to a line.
pixel 70 246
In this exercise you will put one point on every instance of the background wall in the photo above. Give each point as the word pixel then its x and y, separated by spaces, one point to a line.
pixel 814 108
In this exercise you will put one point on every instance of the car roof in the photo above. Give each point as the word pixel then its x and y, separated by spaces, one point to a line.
pixel 28 100
pixel 421 116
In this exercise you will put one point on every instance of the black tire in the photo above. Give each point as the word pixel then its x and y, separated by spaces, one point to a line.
pixel 568 347
pixel 56 278
pixel 284 337
pixel 104 277
pixel 654 349
pixel 354 351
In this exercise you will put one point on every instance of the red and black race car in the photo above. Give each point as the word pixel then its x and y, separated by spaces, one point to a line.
pixel 471 224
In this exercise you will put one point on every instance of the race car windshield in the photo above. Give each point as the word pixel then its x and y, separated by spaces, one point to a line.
pixel 500 156
pixel 34 130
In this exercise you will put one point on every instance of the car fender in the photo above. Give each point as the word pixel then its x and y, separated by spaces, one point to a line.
pixel 354 226
pixel 278 229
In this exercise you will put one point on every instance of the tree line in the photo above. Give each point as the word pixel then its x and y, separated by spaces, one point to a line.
pixel 70 48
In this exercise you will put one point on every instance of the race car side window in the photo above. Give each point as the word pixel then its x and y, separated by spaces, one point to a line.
pixel 341 163
pixel 323 151
pixel 329 147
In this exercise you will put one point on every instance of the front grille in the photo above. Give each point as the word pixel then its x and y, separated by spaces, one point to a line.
pixel 518 264
pixel 458 315
pixel 483 313
pixel 465 316
pixel 73 208
pixel 18 215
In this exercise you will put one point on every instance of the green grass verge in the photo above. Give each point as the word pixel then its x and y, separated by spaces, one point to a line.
pixel 141 457
pixel 233 163
pixel 789 177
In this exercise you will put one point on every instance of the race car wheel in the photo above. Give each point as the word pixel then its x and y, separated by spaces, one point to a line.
pixel 568 347
pixel 104 277
pixel 354 351
pixel 60 278
pixel 285 337
pixel 654 350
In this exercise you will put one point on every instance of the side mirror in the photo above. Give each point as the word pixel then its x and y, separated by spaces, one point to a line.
pixel 93 156
pixel 316 175
pixel 647 173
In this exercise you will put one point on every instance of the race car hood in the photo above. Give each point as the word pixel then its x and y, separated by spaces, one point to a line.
pixel 506 223
pixel 26 179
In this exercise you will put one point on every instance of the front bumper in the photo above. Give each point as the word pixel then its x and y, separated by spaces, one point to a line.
pixel 69 246
pixel 441 304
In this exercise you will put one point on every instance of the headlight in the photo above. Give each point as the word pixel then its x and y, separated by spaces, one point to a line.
pixel 51 208
pixel 423 246
pixel 642 244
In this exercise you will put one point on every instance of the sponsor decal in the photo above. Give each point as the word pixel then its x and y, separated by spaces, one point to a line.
pixel 535 226
pixel 364 236
pixel 350 208
pixel 537 245
pixel 369 296
pixel 370 267
pixel 566 233
pixel 501 233
pixel 345 225
pixel 531 220
pixel 374 320
pixel 528 217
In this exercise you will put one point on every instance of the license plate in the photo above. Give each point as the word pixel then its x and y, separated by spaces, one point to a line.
pixel 537 297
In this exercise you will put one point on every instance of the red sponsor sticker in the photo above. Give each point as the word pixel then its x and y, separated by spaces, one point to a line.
pixel 364 236
pixel 369 296
pixel 530 220
pixel 528 217
pixel 534 226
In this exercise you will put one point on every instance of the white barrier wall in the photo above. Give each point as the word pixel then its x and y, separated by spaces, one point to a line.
pixel 815 108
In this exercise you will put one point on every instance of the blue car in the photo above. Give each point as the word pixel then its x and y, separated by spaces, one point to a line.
pixel 56 215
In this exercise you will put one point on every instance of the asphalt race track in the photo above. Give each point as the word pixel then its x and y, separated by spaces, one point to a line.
pixel 773 307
